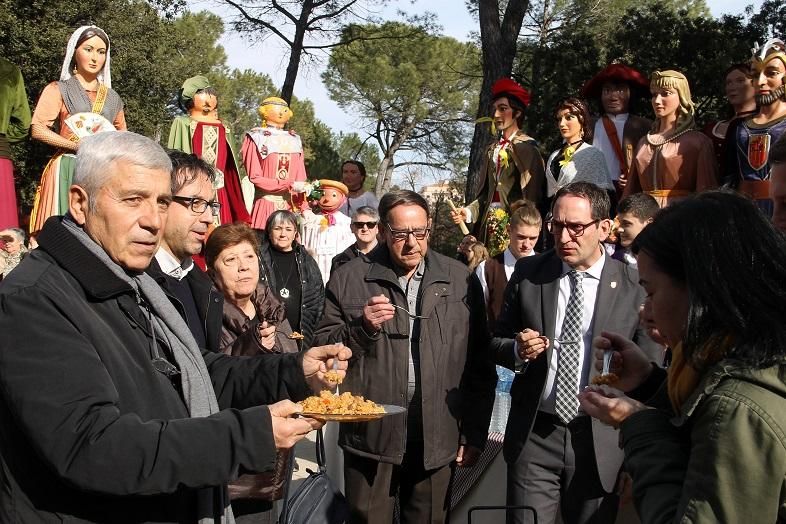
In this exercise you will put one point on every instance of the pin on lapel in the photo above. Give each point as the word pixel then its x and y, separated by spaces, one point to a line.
pixel 613 284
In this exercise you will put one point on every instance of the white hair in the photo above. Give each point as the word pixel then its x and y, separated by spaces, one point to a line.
pixel 97 155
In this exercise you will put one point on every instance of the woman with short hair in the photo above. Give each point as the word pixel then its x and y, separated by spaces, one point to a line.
pixel 288 269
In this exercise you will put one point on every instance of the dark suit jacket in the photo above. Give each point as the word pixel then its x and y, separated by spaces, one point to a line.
pixel 531 302
pixel 635 128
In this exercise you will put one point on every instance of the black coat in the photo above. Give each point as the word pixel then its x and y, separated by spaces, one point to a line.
pixel 312 301
pixel 209 301
pixel 89 430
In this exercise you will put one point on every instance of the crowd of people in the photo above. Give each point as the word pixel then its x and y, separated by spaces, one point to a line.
pixel 175 308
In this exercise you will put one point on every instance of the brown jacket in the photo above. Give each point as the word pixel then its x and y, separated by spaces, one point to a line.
pixel 456 372
pixel 239 334
pixel 524 177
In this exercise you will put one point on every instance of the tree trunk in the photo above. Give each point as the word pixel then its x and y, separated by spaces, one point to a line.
pixel 498 46
pixel 296 50
pixel 384 174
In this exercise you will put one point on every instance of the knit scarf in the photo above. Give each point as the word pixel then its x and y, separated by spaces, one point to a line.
pixel 683 377
pixel 198 393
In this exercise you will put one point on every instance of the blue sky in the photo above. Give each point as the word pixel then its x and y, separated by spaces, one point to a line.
pixel 270 56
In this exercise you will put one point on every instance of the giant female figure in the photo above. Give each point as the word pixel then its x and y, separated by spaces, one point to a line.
pixel 80 104
pixel 674 159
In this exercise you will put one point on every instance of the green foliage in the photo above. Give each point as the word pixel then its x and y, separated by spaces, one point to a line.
pixel 410 87
pixel 152 54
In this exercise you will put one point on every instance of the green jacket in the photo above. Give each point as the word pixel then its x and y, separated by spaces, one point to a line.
pixel 722 460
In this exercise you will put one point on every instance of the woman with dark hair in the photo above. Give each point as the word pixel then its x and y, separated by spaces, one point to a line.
pixel 82 103
pixel 577 160
pixel 292 273
pixel 251 310
pixel 353 175
pixel 254 323
pixel 739 92
pixel 710 446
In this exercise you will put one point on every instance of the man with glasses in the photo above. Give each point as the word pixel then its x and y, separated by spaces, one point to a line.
pixel 193 209
pixel 555 303
pixel 416 323
pixel 365 220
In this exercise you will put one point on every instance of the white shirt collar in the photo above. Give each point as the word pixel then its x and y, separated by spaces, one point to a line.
pixel 172 266
pixel 594 270
pixel 622 117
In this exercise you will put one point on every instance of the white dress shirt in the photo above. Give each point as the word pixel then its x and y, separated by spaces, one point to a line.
pixel 602 142
pixel 590 283
pixel 172 266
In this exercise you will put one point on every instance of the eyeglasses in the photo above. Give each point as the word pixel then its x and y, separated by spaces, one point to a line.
pixel 575 230
pixel 198 205
pixel 399 235
pixel 360 225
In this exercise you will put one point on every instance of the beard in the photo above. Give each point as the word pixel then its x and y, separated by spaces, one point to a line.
pixel 770 98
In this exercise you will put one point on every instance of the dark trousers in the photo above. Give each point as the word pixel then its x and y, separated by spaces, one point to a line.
pixel 557 470
pixel 371 489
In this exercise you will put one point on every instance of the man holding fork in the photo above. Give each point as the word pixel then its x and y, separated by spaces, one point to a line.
pixel 416 323
pixel 554 303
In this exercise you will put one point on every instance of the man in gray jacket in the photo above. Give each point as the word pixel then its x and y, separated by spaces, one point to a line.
pixel 416 323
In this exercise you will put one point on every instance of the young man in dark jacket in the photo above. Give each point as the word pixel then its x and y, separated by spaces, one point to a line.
pixel 417 325
pixel 108 409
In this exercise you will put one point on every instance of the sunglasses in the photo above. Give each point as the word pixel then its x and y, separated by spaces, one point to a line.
pixel 360 225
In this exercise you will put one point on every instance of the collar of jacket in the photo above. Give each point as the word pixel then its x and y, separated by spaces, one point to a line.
pixel 95 278
pixel 381 268
pixel 726 368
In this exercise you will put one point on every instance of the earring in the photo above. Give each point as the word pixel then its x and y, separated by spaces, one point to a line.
pixel 74 71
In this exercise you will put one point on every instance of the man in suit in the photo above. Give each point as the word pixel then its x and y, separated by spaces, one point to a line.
pixel 617 132
pixel 555 303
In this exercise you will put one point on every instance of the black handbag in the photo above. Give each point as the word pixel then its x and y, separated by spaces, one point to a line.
pixel 316 500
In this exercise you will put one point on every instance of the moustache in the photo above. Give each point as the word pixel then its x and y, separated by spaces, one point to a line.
pixel 770 98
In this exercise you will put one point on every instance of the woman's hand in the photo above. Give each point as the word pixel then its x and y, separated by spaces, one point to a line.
pixel 610 406
pixel 267 334
pixel 318 360
pixel 628 361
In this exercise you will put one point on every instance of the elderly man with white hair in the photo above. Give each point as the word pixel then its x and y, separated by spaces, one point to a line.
pixel 108 409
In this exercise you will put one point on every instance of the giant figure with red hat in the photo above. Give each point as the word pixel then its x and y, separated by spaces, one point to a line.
pixel 616 131
pixel 513 167
pixel 747 162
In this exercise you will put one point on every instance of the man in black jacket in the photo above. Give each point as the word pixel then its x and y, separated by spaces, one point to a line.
pixel 417 325
pixel 365 227
pixel 109 411
pixel 188 287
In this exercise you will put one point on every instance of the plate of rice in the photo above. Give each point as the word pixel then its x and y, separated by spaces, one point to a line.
pixel 345 407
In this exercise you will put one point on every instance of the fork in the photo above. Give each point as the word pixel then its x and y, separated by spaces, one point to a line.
pixel 405 310
pixel 606 362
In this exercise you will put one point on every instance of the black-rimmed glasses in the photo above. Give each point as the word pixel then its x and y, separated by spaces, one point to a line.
pixel 199 205
pixel 369 225
pixel 555 227
pixel 401 234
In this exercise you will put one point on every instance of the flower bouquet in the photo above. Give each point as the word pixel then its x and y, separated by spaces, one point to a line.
pixel 496 230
